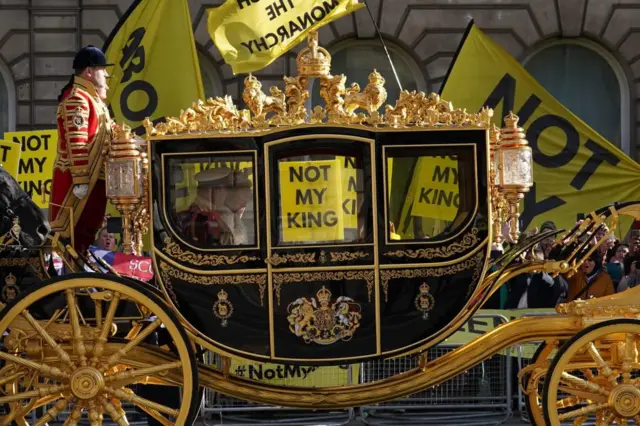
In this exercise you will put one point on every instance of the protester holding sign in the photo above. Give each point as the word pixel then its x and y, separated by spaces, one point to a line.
pixel 78 194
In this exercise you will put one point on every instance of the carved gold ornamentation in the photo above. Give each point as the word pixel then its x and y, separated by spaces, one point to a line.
pixel 341 104
pixel 260 104
pixel 169 273
pixel 469 240
pixel 295 90
pixel 223 308
pixel 417 108
pixel 424 301
pixel 280 259
pixel 209 115
pixel 33 262
pixel 174 250
pixel 318 115
pixel 476 262
pixel 297 277
pixel 324 321
pixel 372 98
pixel 332 90
pixel 346 256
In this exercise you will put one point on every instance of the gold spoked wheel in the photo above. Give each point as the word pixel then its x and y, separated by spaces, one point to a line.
pixel 593 378
pixel 84 346
pixel 533 381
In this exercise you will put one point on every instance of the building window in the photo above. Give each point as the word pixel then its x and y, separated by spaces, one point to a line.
pixel 7 101
pixel 586 79
pixel 358 58
pixel 211 80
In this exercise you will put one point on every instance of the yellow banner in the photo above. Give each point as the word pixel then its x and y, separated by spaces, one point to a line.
pixel 10 157
pixel 436 196
pixel 311 201
pixel 296 375
pixel 486 320
pixel 575 169
pixel 156 72
pixel 35 169
pixel 251 34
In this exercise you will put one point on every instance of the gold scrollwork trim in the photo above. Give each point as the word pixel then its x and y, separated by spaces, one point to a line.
pixel 169 272
pixel 278 259
pixel 34 262
pixel 172 249
pixel 297 277
pixel 468 241
pixel 475 262
pixel 346 256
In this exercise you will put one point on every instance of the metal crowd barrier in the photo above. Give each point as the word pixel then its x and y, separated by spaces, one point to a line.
pixel 480 396
pixel 225 410
pixel 522 362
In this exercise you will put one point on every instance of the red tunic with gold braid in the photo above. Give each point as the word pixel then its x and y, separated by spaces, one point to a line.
pixel 84 130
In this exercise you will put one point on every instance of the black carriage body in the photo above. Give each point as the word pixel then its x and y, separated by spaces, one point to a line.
pixel 289 288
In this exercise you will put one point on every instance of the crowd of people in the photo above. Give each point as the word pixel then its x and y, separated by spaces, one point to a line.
pixel 611 268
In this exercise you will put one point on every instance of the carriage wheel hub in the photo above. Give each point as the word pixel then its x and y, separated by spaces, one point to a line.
pixel 625 400
pixel 86 383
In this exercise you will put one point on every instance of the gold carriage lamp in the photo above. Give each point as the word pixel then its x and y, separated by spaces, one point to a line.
pixel 513 162
pixel 498 204
pixel 126 170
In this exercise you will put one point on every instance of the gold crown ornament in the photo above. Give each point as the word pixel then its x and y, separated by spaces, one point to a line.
pixel 313 61
pixel 324 296
pixel 10 279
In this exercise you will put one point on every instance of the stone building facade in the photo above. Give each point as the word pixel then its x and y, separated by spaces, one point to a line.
pixel 586 52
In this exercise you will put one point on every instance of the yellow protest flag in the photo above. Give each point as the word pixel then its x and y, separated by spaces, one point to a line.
pixel 10 157
pixel 35 167
pixel 156 72
pixel 575 169
pixel 251 34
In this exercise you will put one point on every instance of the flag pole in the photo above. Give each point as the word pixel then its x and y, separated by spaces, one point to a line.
pixel 386 51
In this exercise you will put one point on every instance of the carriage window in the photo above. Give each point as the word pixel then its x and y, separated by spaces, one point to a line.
pixel 322 200
pixel 212 199
pixel 428 196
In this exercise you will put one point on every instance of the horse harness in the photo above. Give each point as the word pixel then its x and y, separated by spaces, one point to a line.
pixel 10 220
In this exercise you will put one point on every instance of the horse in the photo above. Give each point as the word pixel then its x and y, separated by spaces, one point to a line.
pixel 16 207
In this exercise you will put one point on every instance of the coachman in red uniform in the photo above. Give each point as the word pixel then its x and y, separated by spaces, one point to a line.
pixel 78 195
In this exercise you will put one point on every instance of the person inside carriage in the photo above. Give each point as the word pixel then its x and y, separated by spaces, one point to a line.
pixel 215 217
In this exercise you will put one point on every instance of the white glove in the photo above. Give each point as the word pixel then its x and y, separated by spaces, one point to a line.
pixel 80 191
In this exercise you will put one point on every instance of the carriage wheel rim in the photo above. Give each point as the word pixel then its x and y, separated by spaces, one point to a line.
pixel 621 401
pixel 87 382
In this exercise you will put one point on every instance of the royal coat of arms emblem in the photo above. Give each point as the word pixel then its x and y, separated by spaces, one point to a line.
pixel 322 321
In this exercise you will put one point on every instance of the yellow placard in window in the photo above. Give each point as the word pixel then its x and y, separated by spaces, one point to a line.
pixel 351 190
pixel 437 194
pixel 311 201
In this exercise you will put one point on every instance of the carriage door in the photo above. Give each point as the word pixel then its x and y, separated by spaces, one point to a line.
pixel 320 253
